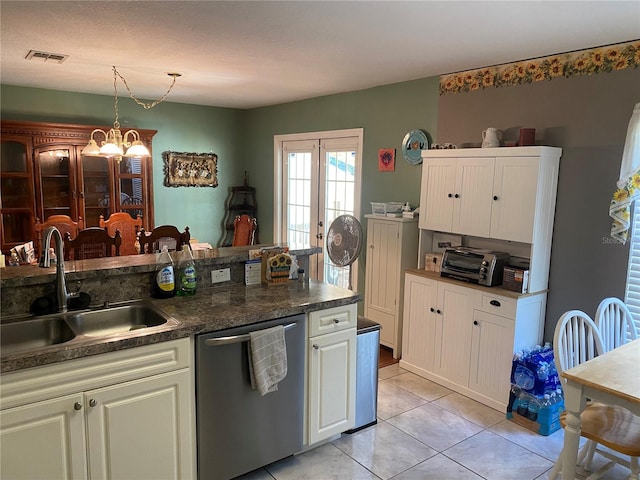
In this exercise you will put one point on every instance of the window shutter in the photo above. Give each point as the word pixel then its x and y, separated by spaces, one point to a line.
pixel 632 295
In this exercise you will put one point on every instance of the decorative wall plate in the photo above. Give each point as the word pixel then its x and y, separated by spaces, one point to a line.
pixel 414 142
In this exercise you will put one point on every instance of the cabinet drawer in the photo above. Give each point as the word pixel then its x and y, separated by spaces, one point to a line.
pixel 496 304
pixel 333 319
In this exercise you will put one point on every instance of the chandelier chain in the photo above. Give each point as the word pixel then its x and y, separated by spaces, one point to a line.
pixel 116 123
pixel 146 106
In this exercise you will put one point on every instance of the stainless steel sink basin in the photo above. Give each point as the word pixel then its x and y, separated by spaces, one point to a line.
pixel 29 333
pixel 34 334
pixel 100 323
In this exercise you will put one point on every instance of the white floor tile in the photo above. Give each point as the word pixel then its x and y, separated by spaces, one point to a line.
pixel 390 371
pixel 393 400
pixel 548 447
pixel 419 386
pixel 435 426
pixel 438 467
pixel 323 463
pixel 467 408
pixel 496 458
pixel 384 449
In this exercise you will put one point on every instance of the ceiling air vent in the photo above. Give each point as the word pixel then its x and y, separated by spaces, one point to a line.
pixel 46 56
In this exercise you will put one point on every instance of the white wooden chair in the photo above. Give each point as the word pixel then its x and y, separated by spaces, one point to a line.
pixel 575 341
pixel 615 323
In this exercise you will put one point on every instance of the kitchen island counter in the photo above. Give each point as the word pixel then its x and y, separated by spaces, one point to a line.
pixel 211 309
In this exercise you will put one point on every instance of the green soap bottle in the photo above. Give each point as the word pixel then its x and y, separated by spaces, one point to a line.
pixel 187 277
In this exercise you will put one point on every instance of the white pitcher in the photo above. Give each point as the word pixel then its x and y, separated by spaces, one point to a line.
pixel 491 138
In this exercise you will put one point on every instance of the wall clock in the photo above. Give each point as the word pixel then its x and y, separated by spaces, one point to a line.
pixel 414 142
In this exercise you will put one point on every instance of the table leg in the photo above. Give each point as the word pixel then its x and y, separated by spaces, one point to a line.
pixel 574 403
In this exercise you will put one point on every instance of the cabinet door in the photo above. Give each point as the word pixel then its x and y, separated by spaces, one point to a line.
pixel 437 194
pixel 421 341
pixel 382 277
pixel 491 355
pixel 472 205
pixel 332 378
pixel 56 182
pixel 514 198
pixel 141 429
pixel 95 185
pixel 456 306
pixel 17 206
pixel 44 440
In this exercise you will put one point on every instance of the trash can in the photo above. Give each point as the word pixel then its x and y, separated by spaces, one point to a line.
pixel 367 353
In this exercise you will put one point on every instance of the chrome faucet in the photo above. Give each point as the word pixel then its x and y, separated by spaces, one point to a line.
pixel 62 295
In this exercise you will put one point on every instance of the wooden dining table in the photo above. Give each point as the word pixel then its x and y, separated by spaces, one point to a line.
pixel 612 378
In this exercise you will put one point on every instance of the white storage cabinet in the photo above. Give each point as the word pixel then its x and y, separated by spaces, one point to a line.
pixel 331 376
pixel 464 337
pixel 125 414
pixel 392 244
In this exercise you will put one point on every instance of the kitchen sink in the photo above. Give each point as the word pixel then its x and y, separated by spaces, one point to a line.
pixel 109 321
pixel 34 333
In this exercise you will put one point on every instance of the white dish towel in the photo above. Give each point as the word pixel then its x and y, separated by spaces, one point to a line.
pixel 267 359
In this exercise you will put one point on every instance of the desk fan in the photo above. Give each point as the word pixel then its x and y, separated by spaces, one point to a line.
pixel 344 241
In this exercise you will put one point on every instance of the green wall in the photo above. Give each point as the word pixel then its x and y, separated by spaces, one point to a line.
pixel 386 113
pixel 181 128
pixel 243 140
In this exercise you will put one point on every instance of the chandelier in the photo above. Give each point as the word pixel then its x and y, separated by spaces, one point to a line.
pixel 115 144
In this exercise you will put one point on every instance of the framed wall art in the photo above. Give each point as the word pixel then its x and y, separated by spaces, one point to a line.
pixel 190 169
pixel 387 159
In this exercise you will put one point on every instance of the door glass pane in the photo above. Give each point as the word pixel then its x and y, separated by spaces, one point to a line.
pixel 339 200
pixel 131 165
pixel 299 200
pixel 17 227
pixel 13 157
pixel 16 193
pixel 131 191
pixel 97 201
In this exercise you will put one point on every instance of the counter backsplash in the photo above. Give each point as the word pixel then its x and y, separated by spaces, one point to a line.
pixel 116 279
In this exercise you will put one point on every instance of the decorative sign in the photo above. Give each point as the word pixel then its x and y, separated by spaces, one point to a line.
pixel 190 169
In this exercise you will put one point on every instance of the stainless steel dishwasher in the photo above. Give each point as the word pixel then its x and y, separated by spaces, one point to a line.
pixel 238 430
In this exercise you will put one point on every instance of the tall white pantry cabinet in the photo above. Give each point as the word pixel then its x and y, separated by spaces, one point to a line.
pixel 460 335
pixel 392 244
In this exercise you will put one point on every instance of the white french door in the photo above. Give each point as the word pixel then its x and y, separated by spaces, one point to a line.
pixel 318 179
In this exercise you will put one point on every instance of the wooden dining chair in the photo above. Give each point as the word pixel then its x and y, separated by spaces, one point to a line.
pixel 244 228
pixel 615 323
pixel 92 242
pixel 129 229
pixel 64 223
pixel 576 340
pixel 163 235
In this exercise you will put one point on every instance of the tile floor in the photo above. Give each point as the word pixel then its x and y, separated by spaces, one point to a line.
pixel 426 431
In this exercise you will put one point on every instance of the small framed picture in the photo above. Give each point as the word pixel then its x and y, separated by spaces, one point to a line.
pixel 387 159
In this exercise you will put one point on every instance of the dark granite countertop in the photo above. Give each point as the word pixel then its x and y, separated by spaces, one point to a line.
pixel 211 309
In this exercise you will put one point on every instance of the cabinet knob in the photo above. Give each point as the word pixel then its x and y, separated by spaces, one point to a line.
pixel 315 346
pixel 450 195
pixel 457 196
pixel 77 406
pixel 432 309
pixel 495 197
pixel 319 236
pixel 336 321
pixel 92 402
pixel 495 303
pixel 438 311
pixel 475 322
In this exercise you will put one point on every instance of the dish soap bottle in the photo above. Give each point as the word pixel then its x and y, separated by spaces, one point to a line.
pixel 186 273
pixel 164 285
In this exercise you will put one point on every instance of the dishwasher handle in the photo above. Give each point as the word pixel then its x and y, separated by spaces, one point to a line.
pixel 215 342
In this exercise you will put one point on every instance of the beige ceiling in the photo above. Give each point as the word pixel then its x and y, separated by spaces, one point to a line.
pixel 245 54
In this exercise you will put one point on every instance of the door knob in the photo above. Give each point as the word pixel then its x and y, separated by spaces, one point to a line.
pixel 319 236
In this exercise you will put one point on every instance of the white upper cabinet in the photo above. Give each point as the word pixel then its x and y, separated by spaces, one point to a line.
pixel 501 193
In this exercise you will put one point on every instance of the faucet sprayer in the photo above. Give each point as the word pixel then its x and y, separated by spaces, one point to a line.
pixel 62 295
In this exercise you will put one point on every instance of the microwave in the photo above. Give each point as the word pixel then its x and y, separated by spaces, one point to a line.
pixel 474 265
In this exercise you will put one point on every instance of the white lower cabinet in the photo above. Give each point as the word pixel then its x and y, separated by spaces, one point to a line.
pixel 133 429
pixel 331 375
pixel 464 337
